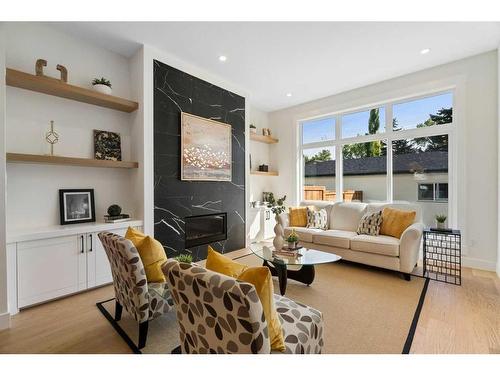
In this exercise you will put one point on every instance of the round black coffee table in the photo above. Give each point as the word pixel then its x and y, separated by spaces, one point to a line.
pixel 278 264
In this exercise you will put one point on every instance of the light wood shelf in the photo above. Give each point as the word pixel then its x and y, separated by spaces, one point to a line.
pixel 263 138
pixel 55 87
pixel 270 173
pixel 63 160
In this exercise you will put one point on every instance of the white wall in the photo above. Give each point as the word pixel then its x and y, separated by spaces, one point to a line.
pixel 32 190
pixel 4 314
pixel 476 101
pixel 261 153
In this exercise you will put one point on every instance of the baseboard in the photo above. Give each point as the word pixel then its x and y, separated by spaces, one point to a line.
pixel 479 264
pixel 4 321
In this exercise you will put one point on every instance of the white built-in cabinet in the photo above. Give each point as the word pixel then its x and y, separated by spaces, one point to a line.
pixel 262 224
pixel 49 268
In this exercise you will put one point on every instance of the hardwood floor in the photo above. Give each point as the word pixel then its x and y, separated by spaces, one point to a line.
pixel 454 319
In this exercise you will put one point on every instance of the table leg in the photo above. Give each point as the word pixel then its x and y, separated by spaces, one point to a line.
pixel 280 271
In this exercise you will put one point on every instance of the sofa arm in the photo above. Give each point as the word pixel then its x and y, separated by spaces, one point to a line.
pixel 409 247
pixel 283 219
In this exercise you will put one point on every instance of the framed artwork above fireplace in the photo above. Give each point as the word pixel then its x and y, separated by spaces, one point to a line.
pixel 205 149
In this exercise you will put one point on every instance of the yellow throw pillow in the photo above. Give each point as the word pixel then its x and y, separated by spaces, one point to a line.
pixel 151 252
pixel 260 278
pixel 298 216
pixel 219 263
pixel 395 222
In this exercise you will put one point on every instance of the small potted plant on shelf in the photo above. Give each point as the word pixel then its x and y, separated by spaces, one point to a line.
pixel 440 220
pixel 102 85
pixel 253 129
pixel 184 258
pixel 292 240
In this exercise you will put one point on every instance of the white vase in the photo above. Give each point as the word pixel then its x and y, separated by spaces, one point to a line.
pixel 103 89
pixel 278 240
pixel 440 225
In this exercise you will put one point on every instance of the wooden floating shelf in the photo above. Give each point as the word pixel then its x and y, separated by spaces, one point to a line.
pixel 63 160
pixel 270 173
pixel 263 138
pixel 56 87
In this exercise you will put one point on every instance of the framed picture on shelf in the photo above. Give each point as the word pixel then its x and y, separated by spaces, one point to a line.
pixel 76 206
pixel 205 149
pixel 107 145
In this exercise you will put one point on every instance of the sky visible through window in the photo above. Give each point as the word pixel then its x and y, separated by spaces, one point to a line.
pixel 408 115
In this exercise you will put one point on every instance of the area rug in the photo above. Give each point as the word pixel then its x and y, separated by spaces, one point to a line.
pixel 366 310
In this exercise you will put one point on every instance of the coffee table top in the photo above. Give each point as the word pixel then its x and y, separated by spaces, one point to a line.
pixel 309 256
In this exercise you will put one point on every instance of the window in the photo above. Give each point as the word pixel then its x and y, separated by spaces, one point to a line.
pixel 420 113
pixel 374 158
pixel 363 123
pixel 433 192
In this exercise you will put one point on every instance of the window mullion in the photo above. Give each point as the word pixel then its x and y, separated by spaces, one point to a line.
pixel 339 178
pixel 388 130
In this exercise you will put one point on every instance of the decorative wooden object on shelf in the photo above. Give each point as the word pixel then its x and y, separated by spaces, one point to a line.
pixel 270 173
pixel 56 87
pixel 63 160
pixel 263 138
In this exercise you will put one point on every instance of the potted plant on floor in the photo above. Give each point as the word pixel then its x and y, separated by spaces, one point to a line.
pixel 440 220
pixel 277 208
pixel 102 85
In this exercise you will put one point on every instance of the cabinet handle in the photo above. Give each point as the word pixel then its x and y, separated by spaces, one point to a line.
pixel 90 250
pixel 83 246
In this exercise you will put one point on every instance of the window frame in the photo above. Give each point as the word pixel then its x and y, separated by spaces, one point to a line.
pixel 388 134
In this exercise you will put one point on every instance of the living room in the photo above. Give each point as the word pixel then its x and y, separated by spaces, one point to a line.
pixel 250 187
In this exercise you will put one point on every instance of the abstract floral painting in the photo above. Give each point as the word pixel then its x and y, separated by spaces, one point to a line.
pixel 107 145
pixel 205 148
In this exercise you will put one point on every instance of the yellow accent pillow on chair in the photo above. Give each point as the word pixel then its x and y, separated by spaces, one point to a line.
pixel 395 222
pixel 151 252
pixel 260 278
pixel 298 216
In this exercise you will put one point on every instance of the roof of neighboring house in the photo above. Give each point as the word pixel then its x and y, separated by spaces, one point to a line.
pixel 428 162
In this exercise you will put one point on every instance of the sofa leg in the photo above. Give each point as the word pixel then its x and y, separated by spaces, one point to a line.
pixel 143 334
pixel 406 276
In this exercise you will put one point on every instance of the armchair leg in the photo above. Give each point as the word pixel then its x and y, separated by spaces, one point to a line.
pixel 118 311
pixel 143 334
pixel 406 276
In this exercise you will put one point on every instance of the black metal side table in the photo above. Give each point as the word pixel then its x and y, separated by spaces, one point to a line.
pixel 443 255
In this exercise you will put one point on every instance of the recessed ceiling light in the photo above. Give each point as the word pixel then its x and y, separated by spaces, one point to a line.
pixel 222 58
pixel 425 51
pixel 289 94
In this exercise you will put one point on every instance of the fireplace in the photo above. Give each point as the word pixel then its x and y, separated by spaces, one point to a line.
pixel 204 229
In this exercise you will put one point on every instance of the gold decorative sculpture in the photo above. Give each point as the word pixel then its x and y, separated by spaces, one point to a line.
pixel 52 137
pixel 40 63
pixel 64 73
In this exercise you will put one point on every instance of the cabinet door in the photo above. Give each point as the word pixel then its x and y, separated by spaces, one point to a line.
pixel 98 268
pixel 50 268
pixel 254 220
pixel 269 223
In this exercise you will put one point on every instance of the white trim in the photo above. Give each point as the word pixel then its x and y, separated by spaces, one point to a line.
pixel 477 263
pixel 4 321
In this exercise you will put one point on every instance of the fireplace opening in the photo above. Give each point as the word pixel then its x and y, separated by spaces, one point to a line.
pixel 205 229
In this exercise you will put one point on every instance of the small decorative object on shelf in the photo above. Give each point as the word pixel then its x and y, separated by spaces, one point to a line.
pixel 102 85
pixel 40 63
pixel 52 137
pixel 115 215
pixel 263 168
pixel 184 258
pixel 440 222
pixel 265 132
pixel 107 145
pixel 64 72
pixel 253 129
pixel 443 255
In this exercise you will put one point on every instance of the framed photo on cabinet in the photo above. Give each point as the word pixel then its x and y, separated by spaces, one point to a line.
pixel 76 206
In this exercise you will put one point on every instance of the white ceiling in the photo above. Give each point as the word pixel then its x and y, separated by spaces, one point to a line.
pixel 309 60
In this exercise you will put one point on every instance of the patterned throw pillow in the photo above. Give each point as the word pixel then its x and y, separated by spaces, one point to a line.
pixel 317 219
pixel 370 224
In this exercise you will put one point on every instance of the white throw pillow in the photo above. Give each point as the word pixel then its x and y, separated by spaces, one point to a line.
pixel 317 219
pixel 370 224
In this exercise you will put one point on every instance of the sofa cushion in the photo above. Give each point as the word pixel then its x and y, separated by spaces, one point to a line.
pixel 337 238
pixel 394 221
pixel 305 234
pixel 346 216
pixel 384 245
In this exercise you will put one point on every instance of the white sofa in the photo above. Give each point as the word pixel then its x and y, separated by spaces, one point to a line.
pixel 341 237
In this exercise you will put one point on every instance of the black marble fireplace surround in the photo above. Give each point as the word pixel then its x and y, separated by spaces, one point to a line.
pixel 176 92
